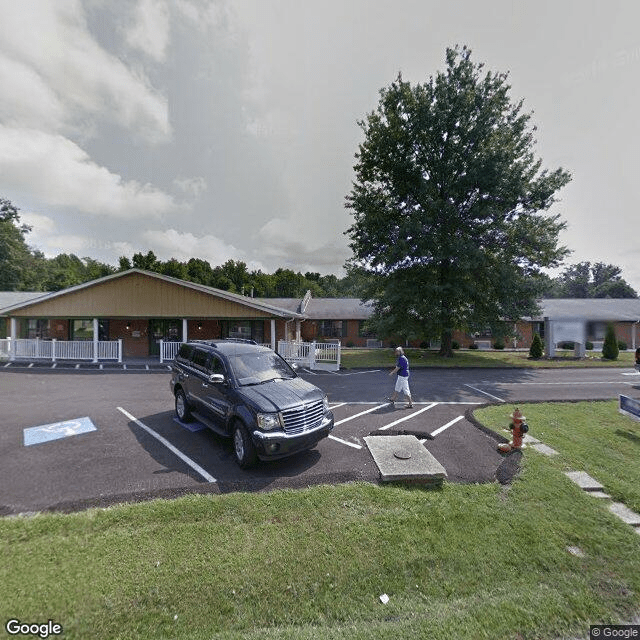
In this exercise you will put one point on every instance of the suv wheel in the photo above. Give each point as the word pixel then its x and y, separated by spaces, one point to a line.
pixel 182 407
pixel 243 448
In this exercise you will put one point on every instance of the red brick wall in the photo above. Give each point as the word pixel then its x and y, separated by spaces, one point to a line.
pixel 135 339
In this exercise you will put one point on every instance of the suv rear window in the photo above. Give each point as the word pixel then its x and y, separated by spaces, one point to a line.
pixel 185 351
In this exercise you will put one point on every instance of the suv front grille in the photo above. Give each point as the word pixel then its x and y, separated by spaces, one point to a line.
pixel 304 418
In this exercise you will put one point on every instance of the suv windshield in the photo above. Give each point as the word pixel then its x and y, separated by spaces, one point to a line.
pixel 258 367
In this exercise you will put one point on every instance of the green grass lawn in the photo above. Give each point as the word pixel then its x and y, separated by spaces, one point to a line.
pixel 354 358
pixel 464 561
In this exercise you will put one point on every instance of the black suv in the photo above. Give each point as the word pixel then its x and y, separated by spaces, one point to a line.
pixel 248 392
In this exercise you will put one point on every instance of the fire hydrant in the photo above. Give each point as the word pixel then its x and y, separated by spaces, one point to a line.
pixel 518 427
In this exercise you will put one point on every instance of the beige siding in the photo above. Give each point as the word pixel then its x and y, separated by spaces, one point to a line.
pixel 138 295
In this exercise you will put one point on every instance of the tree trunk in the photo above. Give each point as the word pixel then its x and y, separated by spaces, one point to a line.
pixel 446 344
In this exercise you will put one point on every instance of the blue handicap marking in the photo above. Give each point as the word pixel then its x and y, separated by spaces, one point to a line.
pixel 57 430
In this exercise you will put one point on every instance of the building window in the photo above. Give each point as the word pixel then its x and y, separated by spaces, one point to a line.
pixel 37 328
pixel 244 329
pixel 333 329
pixel 538 327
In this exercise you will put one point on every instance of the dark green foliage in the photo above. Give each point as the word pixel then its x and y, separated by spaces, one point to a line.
pixel 447 203
pixel 610 348
pixel 586 280
pixel 536 348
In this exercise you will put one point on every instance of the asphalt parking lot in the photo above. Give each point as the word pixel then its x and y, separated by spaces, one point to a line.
pixel 71 440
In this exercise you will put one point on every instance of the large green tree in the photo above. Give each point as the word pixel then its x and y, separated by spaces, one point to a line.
pixel 450 204
pixel 586 280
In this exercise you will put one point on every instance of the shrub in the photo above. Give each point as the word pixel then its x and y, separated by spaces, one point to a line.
pixel 455 344
pixel 622 345
pixel 588 345
pixel 610 348
pixel 535 350
pixel 498 344
pixel 473 346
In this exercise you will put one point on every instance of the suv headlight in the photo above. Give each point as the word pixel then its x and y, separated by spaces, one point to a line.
pixel 269 421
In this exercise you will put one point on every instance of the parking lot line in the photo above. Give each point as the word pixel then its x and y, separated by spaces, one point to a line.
pixel 196 467
pixel 349 444
pixel 378 406
pixel 407 417
pixel 485 393
pixel 446 426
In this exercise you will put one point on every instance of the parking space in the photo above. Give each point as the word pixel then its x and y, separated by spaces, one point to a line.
pixel 70 441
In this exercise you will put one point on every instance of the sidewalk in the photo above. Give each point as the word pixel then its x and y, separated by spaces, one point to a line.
pixel 137 365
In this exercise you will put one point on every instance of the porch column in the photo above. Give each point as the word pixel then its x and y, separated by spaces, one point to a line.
pixel 185 327
pixel 13 334
pixel 96 335
pixel 273 334
pixel 297 330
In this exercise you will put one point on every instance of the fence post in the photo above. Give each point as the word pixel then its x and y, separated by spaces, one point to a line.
pixel 161 350
pixel 53 350
pixel 119 350
pixel 12 348
pixel 312 355
pixel 339 351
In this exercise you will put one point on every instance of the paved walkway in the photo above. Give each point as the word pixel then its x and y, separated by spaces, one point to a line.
pixel 152 365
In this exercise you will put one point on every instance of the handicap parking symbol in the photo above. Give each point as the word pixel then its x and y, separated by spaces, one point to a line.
pixel 57 430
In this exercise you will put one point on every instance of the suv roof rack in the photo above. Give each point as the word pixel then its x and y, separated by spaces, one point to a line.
pixel 213 343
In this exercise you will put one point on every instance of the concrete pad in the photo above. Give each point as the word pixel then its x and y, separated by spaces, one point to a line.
pixel 625 514
pixel 527 439
pixel 404 458
pixel 584 481
pixel 599 494
pixel 543 448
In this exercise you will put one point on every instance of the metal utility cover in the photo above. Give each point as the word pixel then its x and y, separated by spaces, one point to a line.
pixel 418 466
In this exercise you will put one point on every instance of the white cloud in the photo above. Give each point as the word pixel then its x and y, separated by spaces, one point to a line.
pixel 193 187
pixel 150 31
pixel 47 48
pixel 59 172
pixel 169 243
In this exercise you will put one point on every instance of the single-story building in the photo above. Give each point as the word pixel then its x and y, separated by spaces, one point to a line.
pixel 141 308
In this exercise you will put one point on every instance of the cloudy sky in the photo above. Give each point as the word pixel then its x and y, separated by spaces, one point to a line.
pixel 227 129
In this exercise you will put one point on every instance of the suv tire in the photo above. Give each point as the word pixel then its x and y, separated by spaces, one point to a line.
pixel 183 411
pixel 243 449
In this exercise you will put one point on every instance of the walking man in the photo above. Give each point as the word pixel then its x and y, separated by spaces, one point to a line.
pixel 402 381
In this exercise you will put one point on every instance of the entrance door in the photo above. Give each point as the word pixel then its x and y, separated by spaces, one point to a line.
pixel 163 329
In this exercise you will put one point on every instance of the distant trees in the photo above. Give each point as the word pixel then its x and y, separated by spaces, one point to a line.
pixel 587 280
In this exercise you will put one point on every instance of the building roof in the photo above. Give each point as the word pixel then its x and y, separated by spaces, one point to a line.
pixel 590 309
pixel 264 305
pixel 13 298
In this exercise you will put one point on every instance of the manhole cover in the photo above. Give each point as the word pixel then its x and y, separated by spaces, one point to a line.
pixel 402 454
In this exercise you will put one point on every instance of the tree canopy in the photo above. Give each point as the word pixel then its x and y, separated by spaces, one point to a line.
pixel 587 280
pixel 449 204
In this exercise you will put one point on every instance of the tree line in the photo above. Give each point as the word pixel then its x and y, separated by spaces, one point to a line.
pixel 23 268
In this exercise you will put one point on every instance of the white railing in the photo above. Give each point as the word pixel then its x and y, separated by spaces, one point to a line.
pixel 168 349
pixel 315 355
pixel 36 349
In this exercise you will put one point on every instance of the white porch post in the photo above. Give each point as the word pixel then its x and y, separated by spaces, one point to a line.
pixel 297 330
pixel 273 334
pixel 185 327
pixel 13 334
pixel 96 335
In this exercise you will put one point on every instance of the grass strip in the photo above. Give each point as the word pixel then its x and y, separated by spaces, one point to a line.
pixel 381 358
pixel 465 561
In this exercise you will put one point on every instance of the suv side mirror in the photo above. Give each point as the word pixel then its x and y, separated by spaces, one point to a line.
pixel 216 378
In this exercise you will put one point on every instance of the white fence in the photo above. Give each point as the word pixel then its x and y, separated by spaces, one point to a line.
pixel 36 349
pixel 315 355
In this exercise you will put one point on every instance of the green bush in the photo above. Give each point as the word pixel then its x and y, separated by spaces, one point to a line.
pixel 455 345
pixel 622 345
pixel 610 348
pixel 473 346
pixel 536 350
pixel 498 344
pixel 588 345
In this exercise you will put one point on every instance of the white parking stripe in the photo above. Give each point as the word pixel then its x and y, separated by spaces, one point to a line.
pixel 335 406
pixel 357 415
pixel 411 415
pixel 485 393
pixel 349 444
pixel 446 426
pixel 196 467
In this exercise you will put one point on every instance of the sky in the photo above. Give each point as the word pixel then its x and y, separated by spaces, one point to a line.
pixel 222 129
